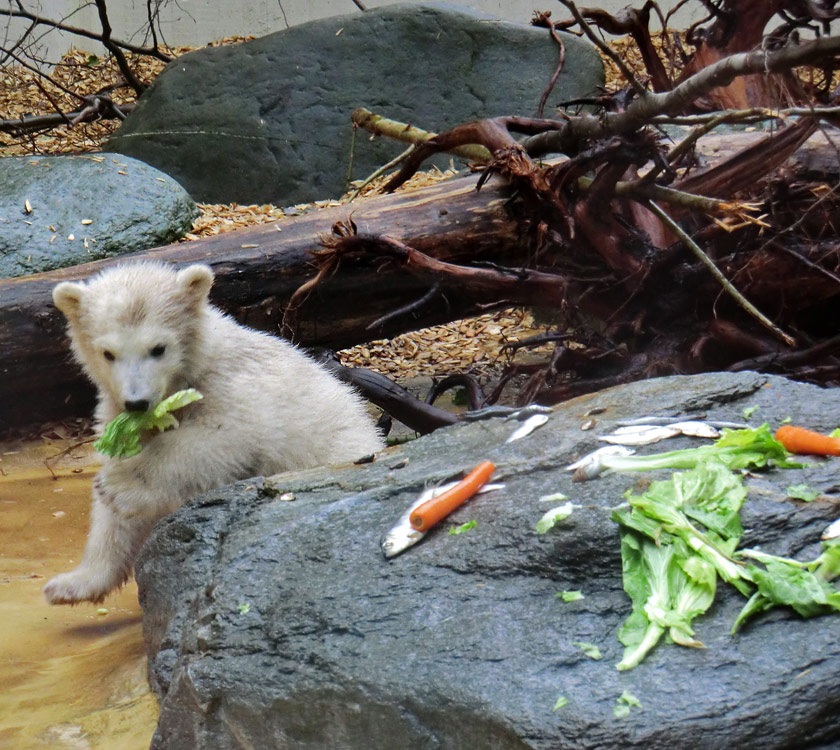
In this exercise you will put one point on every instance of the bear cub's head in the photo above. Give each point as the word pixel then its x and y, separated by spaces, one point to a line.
pixel 135 329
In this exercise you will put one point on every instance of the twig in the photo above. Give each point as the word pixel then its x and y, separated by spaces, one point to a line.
pixel 638 189
pixel 78 31
pixel 379 172
pixel 475 394
pixel 789 359
pixel 754 114
pixel 642 190
pixel 407 133
pixel 48 461
pixel 539 340
pixel 561 59
pixel 114 49
pixel 637 85
pixel 419 304
pixel 739 298
pixel 89 113
pixel 349 178
pixel 671 103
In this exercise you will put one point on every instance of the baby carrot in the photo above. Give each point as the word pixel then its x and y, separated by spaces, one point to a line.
pixel 800 440
pixel 429 513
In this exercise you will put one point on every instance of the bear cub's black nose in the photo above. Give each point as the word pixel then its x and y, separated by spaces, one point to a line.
pixel 139 405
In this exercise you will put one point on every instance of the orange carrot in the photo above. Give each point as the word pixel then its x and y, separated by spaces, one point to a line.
pixel 800 440
pixel 429 513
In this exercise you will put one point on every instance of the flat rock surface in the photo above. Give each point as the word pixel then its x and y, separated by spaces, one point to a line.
pixel 268 121
pixel 277 622
pixel 59 211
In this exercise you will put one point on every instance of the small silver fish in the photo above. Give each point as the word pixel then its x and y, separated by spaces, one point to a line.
pixel 693 428
pixel 403 535
pixel 528 426
pixel 526 412
pixel 641 434
pixel 590 465
pixel 651 420
pixel 832 531
pixel 672 421
pixel 506 412
pixel 728 425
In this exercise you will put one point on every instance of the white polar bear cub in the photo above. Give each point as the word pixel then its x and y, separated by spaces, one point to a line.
pixel 142 332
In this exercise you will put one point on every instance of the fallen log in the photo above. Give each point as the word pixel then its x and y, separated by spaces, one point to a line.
pixel 257 271
pixel 381 291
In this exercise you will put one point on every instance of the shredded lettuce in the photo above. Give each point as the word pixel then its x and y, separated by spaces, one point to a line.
pixel 803 586
pixel 802 492
pixel 711 495
pixel 554 516
pixel 463 527
pixel 680 534
pixel 669 587
pixel 623 704
pixel 570 596
pixel 121 438
pixel 590 649
pixel 676 537
pixel 561 702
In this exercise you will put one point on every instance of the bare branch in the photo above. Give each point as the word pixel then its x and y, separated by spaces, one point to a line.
pixel 78 31
pixel 642 111
pixel 744 303
pixel 118 54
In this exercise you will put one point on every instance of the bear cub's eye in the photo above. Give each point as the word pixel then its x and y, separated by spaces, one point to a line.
pixel 158 350
pixel 108 355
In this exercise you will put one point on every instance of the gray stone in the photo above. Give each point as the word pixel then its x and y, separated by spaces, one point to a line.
pixel 269 120
pixel 84 208
pixel 277 623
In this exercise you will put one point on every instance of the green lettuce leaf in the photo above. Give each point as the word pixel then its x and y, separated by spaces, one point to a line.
pixel 710 494
pixel 803 586
pixel 121 437
pixel 590 649
pixel 554 516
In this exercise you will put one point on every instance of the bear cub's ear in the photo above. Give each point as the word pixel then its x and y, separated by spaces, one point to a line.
pixel 196 281
pixel 67 297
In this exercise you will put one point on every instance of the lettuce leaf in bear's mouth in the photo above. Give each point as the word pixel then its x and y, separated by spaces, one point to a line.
pixel 121 438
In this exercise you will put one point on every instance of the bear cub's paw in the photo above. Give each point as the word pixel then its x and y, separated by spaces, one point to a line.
pixel 74 587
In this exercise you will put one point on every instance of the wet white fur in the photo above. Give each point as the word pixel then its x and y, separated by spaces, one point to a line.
pixel 266 408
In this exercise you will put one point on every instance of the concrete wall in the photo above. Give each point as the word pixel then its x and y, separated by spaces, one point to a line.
pixel 196 22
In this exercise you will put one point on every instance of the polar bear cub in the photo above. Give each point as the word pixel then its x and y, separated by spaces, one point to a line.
pixel 142 332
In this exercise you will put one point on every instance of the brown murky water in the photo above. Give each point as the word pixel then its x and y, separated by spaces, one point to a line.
pixel 70 677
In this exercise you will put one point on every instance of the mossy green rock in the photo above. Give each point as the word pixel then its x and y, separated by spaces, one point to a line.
pixel 268 121
pixel 59 211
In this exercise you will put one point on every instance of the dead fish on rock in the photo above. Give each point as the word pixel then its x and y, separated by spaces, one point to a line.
pixel 832 531
pixel 640 434
pixel 403 535
pixel 507 412
pixel 528 426
pixel 645 434
pixel 590 466
pixel 697 429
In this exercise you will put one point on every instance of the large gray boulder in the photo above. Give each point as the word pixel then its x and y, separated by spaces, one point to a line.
pixel 277 623
pixel 59 211
pixel 269 120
